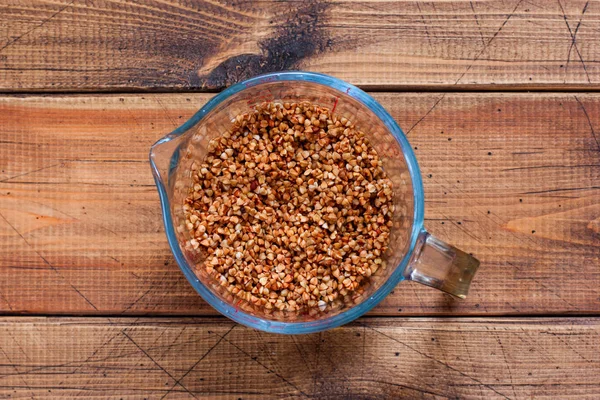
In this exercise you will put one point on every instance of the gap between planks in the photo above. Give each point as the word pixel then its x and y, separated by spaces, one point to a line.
pixel 488 88
pixel 371 316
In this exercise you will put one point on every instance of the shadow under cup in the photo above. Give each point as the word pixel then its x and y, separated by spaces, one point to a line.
pixel 173 157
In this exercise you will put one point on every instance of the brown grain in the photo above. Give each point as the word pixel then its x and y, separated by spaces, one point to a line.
pixel 291 207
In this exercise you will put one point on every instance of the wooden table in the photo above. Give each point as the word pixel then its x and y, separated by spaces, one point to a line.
pixel 499 99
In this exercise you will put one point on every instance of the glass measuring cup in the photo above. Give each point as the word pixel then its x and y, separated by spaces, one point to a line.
pixel 413 253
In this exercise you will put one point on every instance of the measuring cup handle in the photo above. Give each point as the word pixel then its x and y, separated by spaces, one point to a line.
pixel 441 266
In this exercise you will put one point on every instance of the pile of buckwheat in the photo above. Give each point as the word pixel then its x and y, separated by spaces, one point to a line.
pixel 291 207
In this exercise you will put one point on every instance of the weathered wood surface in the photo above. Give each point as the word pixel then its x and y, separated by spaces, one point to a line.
pixel 173 44
pixel 513 178
pixel 372 358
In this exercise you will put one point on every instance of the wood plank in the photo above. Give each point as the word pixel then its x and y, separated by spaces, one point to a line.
pixel 512 178
pixel 155 44
pixel 373 358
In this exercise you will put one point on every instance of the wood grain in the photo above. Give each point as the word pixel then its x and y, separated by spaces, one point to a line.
pixel 71 45
pixel 214 358
pixel 512 178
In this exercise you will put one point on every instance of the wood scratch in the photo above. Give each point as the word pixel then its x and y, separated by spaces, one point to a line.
pixel 54 209
pixel 178 381
pixel 562 190
pixel 137 300
pixel 293 337
pixel 425 26
pixel 88 360
pixel 19 346
pixel 569 346
pixel 318 359
pixel 445 360
pixel 277 374
pixel 486 45
pixel 460 227
pixel 36 27
pixel 537 344
pixel 464 229
pixel 29 172
pixel 589 121
pixel 439 362
pixel 175 124
pixel 173 342
pixel 537 5
pixel 48 263
pixel 418 298
pixel 544 286
pixel 573 40
pixel 264 350
pixel 506 363
pixel 477 22
pixel 462 336
pixel 75 219
pixel 113 357
pixel 426 114
pixel 20 377
pixel 136 276
pixel 6 301
pixel 155 363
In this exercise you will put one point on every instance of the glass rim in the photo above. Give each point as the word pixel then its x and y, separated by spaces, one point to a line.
pixel 302 326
